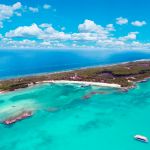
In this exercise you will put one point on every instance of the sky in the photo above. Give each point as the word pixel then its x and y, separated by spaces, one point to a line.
pixel 87 24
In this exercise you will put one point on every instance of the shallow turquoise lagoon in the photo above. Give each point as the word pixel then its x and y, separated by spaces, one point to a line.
pixel 64 120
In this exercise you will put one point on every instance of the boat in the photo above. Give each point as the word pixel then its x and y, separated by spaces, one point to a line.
pixel 20 117
pixel 86 85
pixel 141 138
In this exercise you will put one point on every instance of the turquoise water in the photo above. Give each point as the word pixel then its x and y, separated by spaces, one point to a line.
pixel 64 120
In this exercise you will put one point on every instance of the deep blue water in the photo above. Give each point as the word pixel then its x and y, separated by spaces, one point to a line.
pixel 24 62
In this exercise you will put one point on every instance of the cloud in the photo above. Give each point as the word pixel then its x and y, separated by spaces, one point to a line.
pixel 130 36
pixel 43 31
pixel 94 30
pixel 88 31
pixel 46 6
pixel 121 21
pixel 25 43
pixel 138 23
pixel 34 10
pixel 16 6
pixel 89 35
pixel 49 33
pixel 111 43
pixel 84 36
pixel 24 31
pixel 110 27
pixel 7 11
pixel 90 26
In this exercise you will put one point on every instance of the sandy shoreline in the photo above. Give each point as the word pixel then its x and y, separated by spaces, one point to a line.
pixel 122 82
pixel 82 83
pixel 86 83
pixel 2 92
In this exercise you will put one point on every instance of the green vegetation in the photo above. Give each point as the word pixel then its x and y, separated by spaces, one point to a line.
pixel 124 74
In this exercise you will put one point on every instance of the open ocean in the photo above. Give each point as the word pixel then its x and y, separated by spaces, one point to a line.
pixel 62 119
pixel 26 62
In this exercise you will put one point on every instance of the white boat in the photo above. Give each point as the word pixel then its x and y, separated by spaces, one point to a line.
pixel 141 138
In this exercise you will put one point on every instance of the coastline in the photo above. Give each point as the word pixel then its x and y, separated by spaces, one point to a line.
pixel 124 75
pixel 69 70
pixel 86 83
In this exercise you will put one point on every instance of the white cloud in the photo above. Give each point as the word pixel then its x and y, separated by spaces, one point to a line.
pixel 46 43
pixel 121 20
pixel 25 43
pixel 138 23
pixel 89 35
pixel 24 31
pixel 34 10
pixel 43 31
pixel 17 6
pixel 110 27
pixel 84 36
pixel 130 36
pixel 46 6
pixel 90 26
pixel 111 43
pixel 88 32
pixel 7 11
pixel 49 33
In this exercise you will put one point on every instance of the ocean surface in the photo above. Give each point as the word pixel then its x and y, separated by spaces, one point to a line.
pixel 64 120
pixel 71 117
pixel 26 62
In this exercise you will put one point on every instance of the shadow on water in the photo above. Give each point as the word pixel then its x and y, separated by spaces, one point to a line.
pixel 95 124
pixel 75 103
pixel 45 139
pixel 10 146
pixel 1 101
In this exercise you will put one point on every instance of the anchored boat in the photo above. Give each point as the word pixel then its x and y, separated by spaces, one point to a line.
pixel 141 138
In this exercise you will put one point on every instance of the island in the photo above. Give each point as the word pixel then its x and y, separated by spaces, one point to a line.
pixel 125 75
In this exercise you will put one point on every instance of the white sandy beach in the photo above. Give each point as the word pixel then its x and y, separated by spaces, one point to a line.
pixel 83 83
pixel 75 82
pixel 2 92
